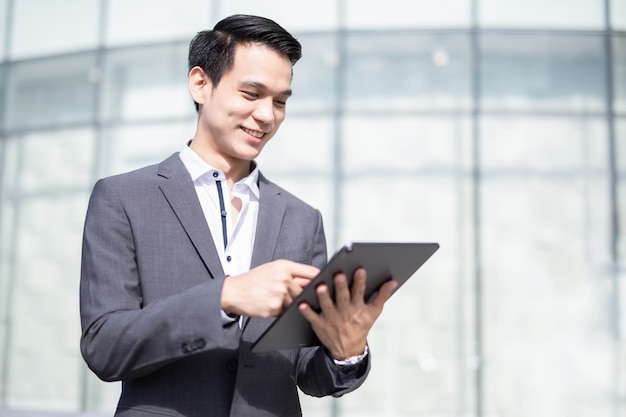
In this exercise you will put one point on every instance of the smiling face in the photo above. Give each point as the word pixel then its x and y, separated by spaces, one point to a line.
pixel 244 111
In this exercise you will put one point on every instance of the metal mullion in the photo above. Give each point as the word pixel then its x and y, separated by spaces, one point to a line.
pixel 614 226
pixel 6 342
pixel 476 208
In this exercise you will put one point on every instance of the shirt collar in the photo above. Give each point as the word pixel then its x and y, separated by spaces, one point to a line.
pixel 198 169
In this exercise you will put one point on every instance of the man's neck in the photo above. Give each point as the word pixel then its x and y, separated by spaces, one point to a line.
pixel 234 170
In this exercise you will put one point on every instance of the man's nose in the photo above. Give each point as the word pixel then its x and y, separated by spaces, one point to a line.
pixel 264 111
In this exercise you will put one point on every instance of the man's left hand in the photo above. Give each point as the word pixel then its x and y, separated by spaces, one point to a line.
pixel 342 326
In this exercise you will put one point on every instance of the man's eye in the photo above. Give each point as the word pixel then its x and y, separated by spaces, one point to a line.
pixel 280 103
pixel 251 94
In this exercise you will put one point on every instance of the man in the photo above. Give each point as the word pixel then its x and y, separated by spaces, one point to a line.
pixel 186 263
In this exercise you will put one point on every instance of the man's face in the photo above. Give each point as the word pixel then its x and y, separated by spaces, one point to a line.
pixel 244 111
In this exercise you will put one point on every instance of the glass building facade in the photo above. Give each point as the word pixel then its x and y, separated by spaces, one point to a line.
pixel 494 127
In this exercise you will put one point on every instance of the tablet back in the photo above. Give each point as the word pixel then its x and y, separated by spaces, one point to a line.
pixel 382 261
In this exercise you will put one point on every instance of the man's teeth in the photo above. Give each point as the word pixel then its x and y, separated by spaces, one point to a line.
pixel 254 133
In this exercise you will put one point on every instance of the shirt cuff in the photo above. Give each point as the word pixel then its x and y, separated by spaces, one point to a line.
pixel 228 318
pixel 352 362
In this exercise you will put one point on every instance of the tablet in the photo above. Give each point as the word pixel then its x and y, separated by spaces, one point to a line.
pixel 382 261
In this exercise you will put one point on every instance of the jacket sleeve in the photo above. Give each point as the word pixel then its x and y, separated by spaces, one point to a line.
pixel 123 336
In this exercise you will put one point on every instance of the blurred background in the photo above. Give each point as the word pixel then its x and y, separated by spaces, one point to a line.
pixel 494 127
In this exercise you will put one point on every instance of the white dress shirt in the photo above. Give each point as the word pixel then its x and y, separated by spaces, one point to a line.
pixel 237 254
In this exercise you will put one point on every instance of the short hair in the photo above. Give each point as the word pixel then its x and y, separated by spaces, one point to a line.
pixel 214 50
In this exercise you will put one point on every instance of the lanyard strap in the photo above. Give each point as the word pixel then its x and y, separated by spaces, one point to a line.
pixel 222 212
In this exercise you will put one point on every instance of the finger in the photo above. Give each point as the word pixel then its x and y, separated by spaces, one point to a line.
pixel 342 292
pixel 304 271
pixel 358 286
pixel 326 303
pixel 301 282
pixel 294 289
pixel 384 293
pixel 287 301
pixel 308 313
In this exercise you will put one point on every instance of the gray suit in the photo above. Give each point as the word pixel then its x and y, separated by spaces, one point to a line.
pixel 150 291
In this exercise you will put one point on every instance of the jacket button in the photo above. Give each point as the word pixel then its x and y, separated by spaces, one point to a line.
pixel 199 343
pixel 192 346
pixel 231 366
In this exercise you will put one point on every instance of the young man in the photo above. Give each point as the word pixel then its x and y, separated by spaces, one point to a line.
pixel 185 263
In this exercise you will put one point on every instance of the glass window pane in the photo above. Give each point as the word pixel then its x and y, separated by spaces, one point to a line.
pixel 45 188
pixel 543 145
pixel 618 14
pixel 371 152
pixel 620 348
pixel 297 149
pixel 4 27
pixel 620 159
pixel 60 161
pixel 42 27
pixel 619 73
pixel 146 83
pixel 101 397
pixel 3 100
pixel 45 276
pixel 313 81
pixel 131 147
pixel 300 159
pixel 545 249
pixel 554 14
pixel 292 15
pixel 402 144
pixel 543 72
pixel 51 91
pixel 408 71
pixel 9 163
pixel 140 21
pixel 391 14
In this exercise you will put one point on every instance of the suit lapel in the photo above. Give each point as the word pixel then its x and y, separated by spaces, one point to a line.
pixel 180 193
pixel 269 223
pixel 271 212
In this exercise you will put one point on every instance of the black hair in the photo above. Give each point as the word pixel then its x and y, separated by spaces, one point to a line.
pixel 214 50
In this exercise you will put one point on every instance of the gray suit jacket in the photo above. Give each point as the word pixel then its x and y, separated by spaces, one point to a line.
pixel 150 292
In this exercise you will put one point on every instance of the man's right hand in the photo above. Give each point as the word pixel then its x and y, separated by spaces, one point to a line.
pixel 265 291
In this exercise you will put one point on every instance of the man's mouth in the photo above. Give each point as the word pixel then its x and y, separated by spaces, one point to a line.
pixel 254 133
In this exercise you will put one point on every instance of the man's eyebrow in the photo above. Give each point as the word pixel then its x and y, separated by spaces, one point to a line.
pixel 261 86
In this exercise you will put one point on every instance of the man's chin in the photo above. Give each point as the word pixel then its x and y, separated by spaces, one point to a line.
pixel 254 151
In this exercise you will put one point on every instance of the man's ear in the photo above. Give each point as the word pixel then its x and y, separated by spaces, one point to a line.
pixel 198 83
